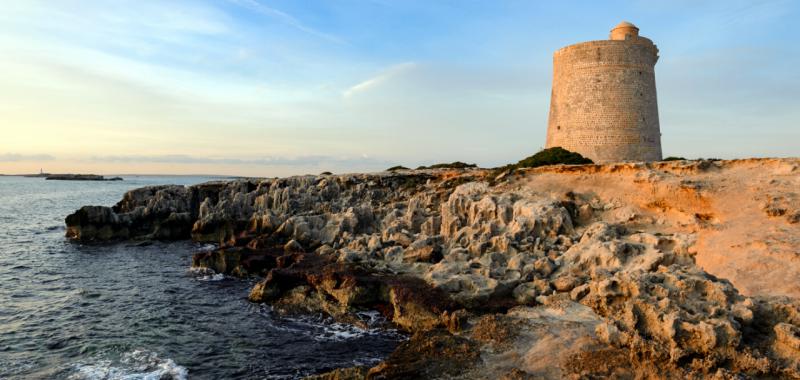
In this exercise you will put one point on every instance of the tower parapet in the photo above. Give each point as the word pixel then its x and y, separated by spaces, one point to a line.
pixel 604 103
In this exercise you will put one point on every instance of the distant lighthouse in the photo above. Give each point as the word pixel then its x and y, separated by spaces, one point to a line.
pixel 603 103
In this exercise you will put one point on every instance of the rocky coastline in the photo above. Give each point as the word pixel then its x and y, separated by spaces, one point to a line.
pixel 584 271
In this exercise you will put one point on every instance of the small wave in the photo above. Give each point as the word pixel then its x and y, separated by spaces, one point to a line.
pixel 85 293
pixel 212 277
pixel 207 247
pixel 326 329
pixel 133 365
pixel 15 367
pixel 205 274
pixel 199 271
pixel 372 318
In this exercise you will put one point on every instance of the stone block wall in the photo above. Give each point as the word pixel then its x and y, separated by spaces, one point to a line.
pixel 604 104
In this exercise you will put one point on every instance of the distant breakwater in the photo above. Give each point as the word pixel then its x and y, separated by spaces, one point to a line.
pixel 80 177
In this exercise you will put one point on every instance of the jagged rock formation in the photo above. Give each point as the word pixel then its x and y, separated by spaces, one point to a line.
pixel 564 271
pixel 154 212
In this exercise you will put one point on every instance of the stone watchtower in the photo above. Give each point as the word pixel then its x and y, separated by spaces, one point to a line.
pixel 603 104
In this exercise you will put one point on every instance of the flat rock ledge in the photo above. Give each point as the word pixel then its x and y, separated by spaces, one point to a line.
pixel 491 277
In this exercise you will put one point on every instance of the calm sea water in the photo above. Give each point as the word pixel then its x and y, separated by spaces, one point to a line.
pixel 117 311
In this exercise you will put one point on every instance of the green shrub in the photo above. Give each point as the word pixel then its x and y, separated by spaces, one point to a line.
pixel 452 165
pixel 673 158
pixel 553 156
pixel 550 156
pixel 325 173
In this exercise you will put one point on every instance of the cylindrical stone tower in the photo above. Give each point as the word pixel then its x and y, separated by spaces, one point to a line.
pixel 603 104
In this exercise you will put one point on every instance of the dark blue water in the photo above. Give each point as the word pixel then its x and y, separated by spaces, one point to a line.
pixel 118 311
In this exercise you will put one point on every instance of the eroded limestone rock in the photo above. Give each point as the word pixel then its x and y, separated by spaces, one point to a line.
pixel 443 251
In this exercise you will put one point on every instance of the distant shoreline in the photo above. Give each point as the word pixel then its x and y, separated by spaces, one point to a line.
pixel 80 177
pixel 72 177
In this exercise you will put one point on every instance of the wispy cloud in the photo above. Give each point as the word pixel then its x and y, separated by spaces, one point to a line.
pixel 14 157
pixel 311 160
pixel 753 12
pixel 379 79
pixel 258 7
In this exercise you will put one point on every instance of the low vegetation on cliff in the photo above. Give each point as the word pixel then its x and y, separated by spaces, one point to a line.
pixel 451 165
pixel 545 157
pixel 552 156
pixel 397 168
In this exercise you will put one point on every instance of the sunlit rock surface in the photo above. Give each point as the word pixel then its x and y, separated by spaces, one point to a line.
pixel 680 269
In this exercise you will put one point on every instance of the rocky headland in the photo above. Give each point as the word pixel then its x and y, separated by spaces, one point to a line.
pixel 684 269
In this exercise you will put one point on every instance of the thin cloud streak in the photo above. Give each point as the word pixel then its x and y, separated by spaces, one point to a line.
pixel 377 80
pixel 14 157
pixel 258 7
pixel 311 160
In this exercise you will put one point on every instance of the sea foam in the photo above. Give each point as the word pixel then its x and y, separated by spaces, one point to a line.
pixel 133 365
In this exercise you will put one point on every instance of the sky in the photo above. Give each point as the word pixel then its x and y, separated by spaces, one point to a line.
pixel 282 87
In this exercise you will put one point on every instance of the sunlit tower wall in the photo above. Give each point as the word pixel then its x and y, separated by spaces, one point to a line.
pixel 603 103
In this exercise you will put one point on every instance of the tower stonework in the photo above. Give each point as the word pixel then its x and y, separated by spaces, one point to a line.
pixel 603 104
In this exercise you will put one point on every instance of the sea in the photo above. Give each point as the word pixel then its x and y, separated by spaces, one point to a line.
pixel 121 311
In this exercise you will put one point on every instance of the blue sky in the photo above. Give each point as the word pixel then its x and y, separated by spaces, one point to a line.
pixel 261 87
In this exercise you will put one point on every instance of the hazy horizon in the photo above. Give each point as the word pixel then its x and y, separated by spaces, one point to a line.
pixel 272 88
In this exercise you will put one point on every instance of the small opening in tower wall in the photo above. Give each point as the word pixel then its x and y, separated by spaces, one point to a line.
pixel 640 73
pixel 558 127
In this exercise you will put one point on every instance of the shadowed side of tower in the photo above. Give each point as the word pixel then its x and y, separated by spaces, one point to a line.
pixel 603 103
